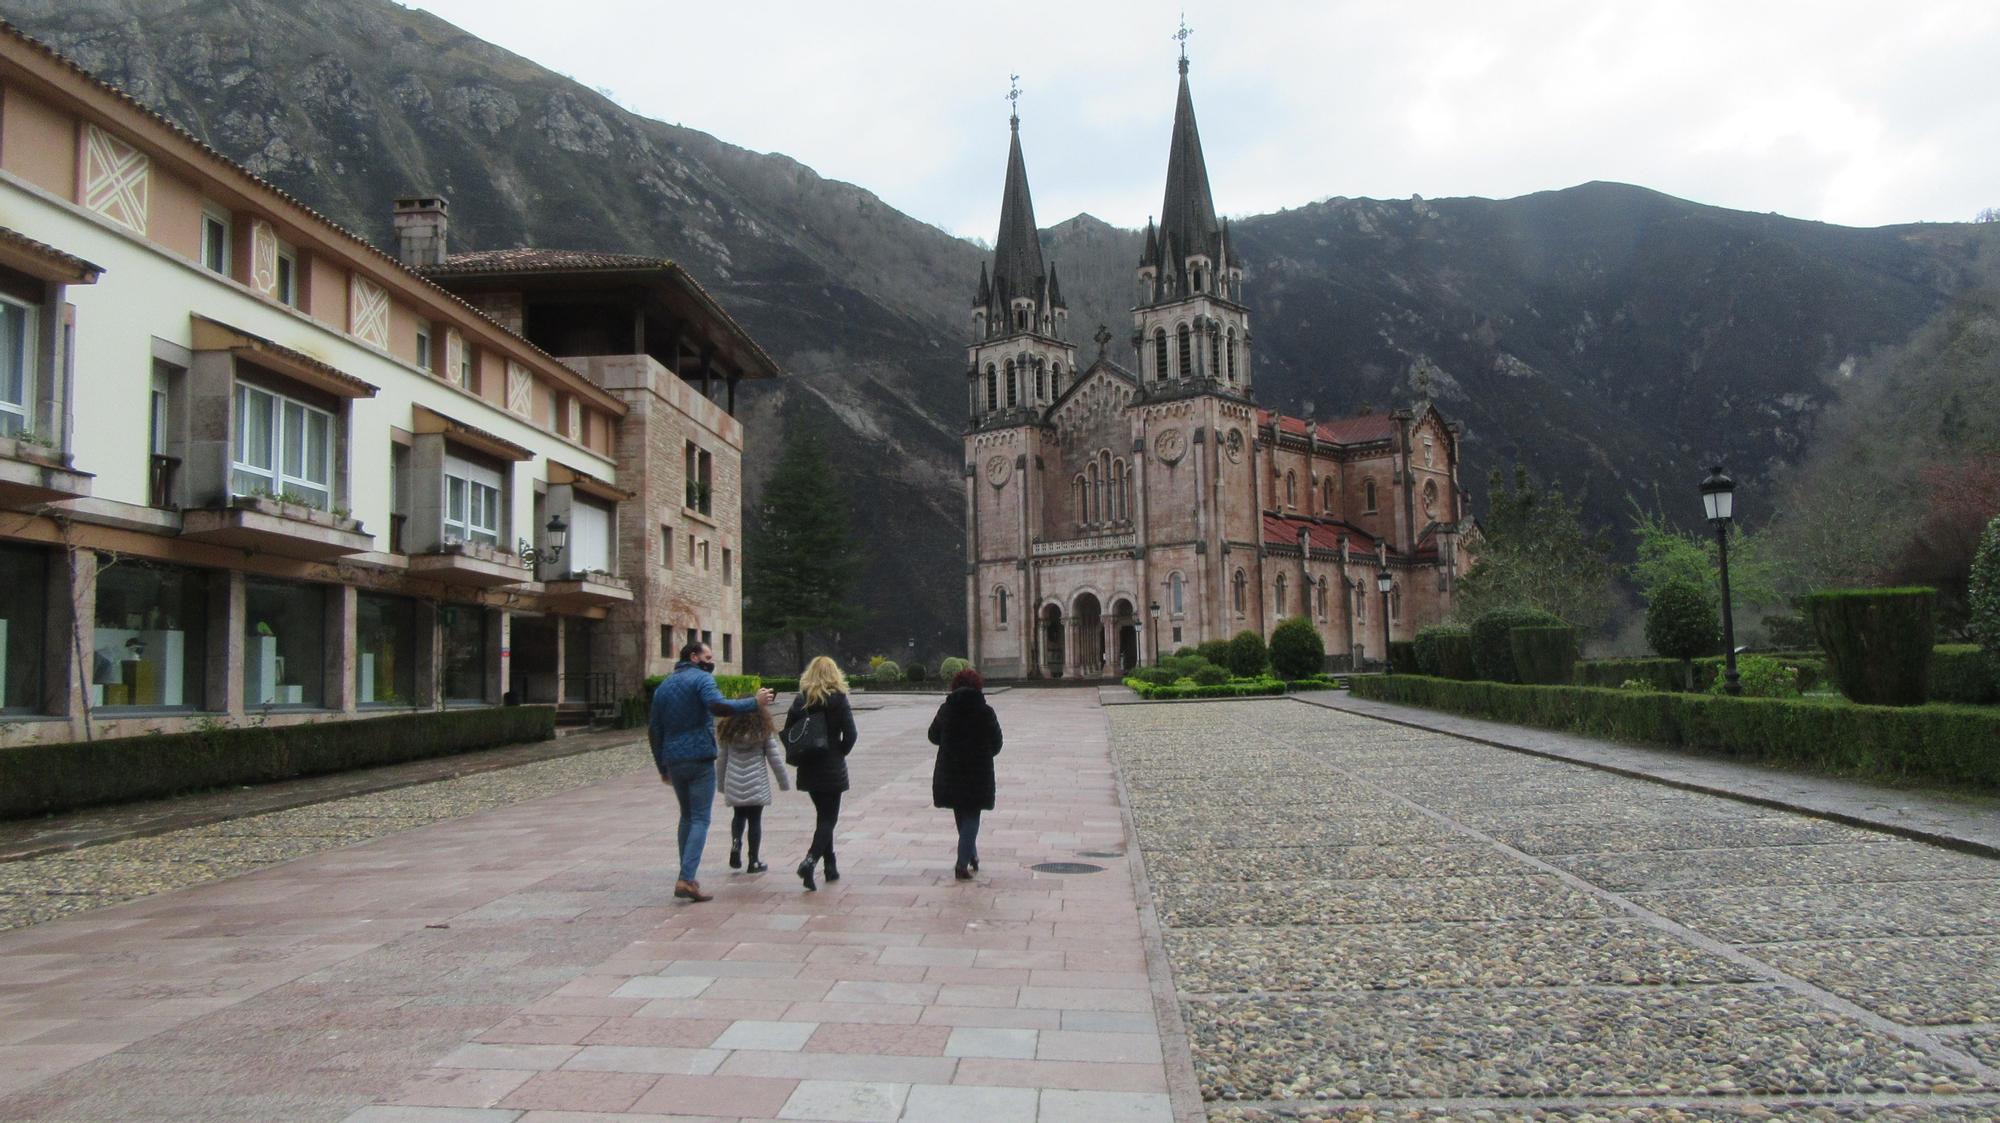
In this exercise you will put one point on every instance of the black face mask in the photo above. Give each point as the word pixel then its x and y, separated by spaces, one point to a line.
pixel 708 666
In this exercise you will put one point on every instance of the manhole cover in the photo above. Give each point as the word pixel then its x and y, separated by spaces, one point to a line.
pixel 1067 867
pixel 1100 853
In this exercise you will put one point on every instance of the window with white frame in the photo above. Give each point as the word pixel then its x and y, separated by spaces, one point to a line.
pixel 589 537
pixel 215 241
pixel 471 502
pixel 424 345
pixel 17 367
pixel 288 277
pixel 283 449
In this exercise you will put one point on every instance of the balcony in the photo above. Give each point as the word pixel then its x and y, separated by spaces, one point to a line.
pixel 473 564
pixel 274 526
pixel 1095 544
pixel 588 590
pixel 32 474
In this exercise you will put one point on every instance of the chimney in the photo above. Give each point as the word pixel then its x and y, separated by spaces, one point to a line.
pixel 420 230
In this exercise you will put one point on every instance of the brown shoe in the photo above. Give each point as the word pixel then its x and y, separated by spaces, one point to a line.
pixel 691 890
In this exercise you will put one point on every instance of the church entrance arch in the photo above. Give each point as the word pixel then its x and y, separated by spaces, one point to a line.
pixel 1088 631
pixel 1052 641
pixel 1125 625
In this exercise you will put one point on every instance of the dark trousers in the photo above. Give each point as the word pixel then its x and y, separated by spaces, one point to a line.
pixel 826 815
pixel 747 820
pixel 968 835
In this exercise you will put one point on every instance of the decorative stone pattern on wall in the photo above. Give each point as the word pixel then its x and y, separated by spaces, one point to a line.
pixel 520 389
pixel 263 258
pixel 368 311
pixel 116 177
pixel 454 358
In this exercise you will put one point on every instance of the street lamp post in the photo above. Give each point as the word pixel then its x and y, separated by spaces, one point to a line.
pixel 1718 497
pixel 1154 610
pixel 557 536
pixel 1383 583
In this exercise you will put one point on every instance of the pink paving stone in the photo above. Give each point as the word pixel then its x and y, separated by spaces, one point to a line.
pixel 880 1040
pixel 689 1033
pixel 540 1029
pixel 581 1091
pixel 873 1013
pixel 746 1097
pixel 1085 1076
pixel 458 1087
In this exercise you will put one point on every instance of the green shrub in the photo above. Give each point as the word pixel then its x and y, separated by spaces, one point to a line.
pixel 1428 659
pixel 1983 593
pixel 782 685
pixel 1403 657
pixel 1215 651
pixel 917 673
pixel 1155 676
pixel 1760 676
pixel 1789 632
pixel 1210 675
pixel 1963 672
pixel 1184 666
pixel 1262 686
pixel 1681 623
pixel 888 672
pixel 41 779
pixel 1454 653
pixel 949 669
pixel 1877 641
pixel 1940 743
pixel 1185 650
pixel 738 686
pixel 1296 649
pixel 1672 674
pixel 1247 656
pixel 1492 651
pixel 1543 655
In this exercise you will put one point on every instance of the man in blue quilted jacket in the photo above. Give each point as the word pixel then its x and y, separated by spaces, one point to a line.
pixel 682 731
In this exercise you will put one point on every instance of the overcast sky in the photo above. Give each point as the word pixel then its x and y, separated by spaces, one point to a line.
pixel 1855 113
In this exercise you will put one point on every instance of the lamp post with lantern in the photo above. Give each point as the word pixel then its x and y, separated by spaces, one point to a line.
pixel 1718 498
pixel 1153 610
pixel 551 552
pixel 1384 582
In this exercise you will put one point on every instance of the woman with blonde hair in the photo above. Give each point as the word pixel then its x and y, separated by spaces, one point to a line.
pixel 749 759
pixel 820 754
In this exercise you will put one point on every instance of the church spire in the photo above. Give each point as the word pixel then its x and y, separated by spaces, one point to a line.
pixel 1017 251
pixel 1187 215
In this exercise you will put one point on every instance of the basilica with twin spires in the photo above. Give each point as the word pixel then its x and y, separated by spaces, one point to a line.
pixel 1115 516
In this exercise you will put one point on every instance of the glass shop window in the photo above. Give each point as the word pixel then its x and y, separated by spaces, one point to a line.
pixel 385 651
pixel 24 593
pixel 148 646
pixel 284 643
pixel 464 653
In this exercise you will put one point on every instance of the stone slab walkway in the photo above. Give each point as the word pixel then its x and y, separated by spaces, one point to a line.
pixel 1960 820
pixel 528 963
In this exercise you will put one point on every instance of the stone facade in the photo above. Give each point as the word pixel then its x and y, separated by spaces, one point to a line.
pixel 1115 516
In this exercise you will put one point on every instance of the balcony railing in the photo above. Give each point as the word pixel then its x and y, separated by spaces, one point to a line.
pixel 1097 543
pixel 160 485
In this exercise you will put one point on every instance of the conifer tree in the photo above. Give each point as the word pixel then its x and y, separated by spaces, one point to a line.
pixel 802 561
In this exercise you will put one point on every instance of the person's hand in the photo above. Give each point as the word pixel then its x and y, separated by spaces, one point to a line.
pixel 766 695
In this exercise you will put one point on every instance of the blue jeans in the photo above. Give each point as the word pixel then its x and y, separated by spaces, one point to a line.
pixel 694 787
pixel 968 836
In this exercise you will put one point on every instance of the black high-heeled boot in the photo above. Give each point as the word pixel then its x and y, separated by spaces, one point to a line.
pixel 806 874
pixel 832 870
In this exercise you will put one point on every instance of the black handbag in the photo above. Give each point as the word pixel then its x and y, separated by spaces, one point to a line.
pixel 805 738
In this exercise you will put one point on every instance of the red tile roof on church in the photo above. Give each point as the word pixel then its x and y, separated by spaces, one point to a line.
pixel 1283 530
pixel 1345 431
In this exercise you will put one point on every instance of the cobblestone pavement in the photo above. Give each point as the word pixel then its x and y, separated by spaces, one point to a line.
pixel 1371 922
pixel 33 890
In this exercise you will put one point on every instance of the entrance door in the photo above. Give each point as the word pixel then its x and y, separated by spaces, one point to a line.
pixel 532 669
pixel 1125 620
pixel 1052 642
pixel 1089 637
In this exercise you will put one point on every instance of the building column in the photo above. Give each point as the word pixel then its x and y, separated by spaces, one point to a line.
pixel 429 680
pixel 499 632
pixel 67 643
pixel 225 643
pixel 342 608
pixel 562 658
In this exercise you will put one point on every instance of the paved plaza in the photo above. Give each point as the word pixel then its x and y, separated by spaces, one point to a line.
pixel 1326 916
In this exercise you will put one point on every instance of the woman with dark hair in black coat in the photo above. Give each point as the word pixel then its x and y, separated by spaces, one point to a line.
pixel 967 734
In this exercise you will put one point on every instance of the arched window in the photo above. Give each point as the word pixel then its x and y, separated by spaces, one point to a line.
pixel 1320 591
pixel 1326 496
pixel 1232 354
pixel 1239 583
pixel 1368 496
pixel 1055 379
pixel 1291 489
pixel 1278 594
pixel 1118 491
pixel 1091 492
pixel 1041 382
pixel 1020 317
pixel 1197 278
pixel 1082 500
pixel 1000 603
pixel 1160 354
pixel 1174 594
pixel 1186 353
pixel 1430 498
pixel 1360 604
pixel 1214 353
pixel 1013 386
pixel 992 387
pixel 1395 604
pixel 1130 471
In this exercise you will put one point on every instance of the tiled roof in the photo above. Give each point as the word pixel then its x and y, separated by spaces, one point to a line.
pixel 69 262
pixel 1284 530
pixel 527 259
pixel 1344 431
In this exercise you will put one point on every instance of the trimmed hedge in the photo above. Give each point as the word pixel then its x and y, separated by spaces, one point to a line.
pixel 1543 655
pixel 1877 641
pixel 42 779
pixel 1668 674
pixel 1429 660
pixel 781 685
pixel 732 686
pixel 1247 654
pixel 1403 657
pixel 1244 688
pixel 1492 651
pixel 1454 655
pixel 1296 649
pixel 1953 744
pixel 1961 672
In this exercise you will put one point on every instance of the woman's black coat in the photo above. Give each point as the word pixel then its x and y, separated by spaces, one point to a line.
pixel 827 771
pixel 967 734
